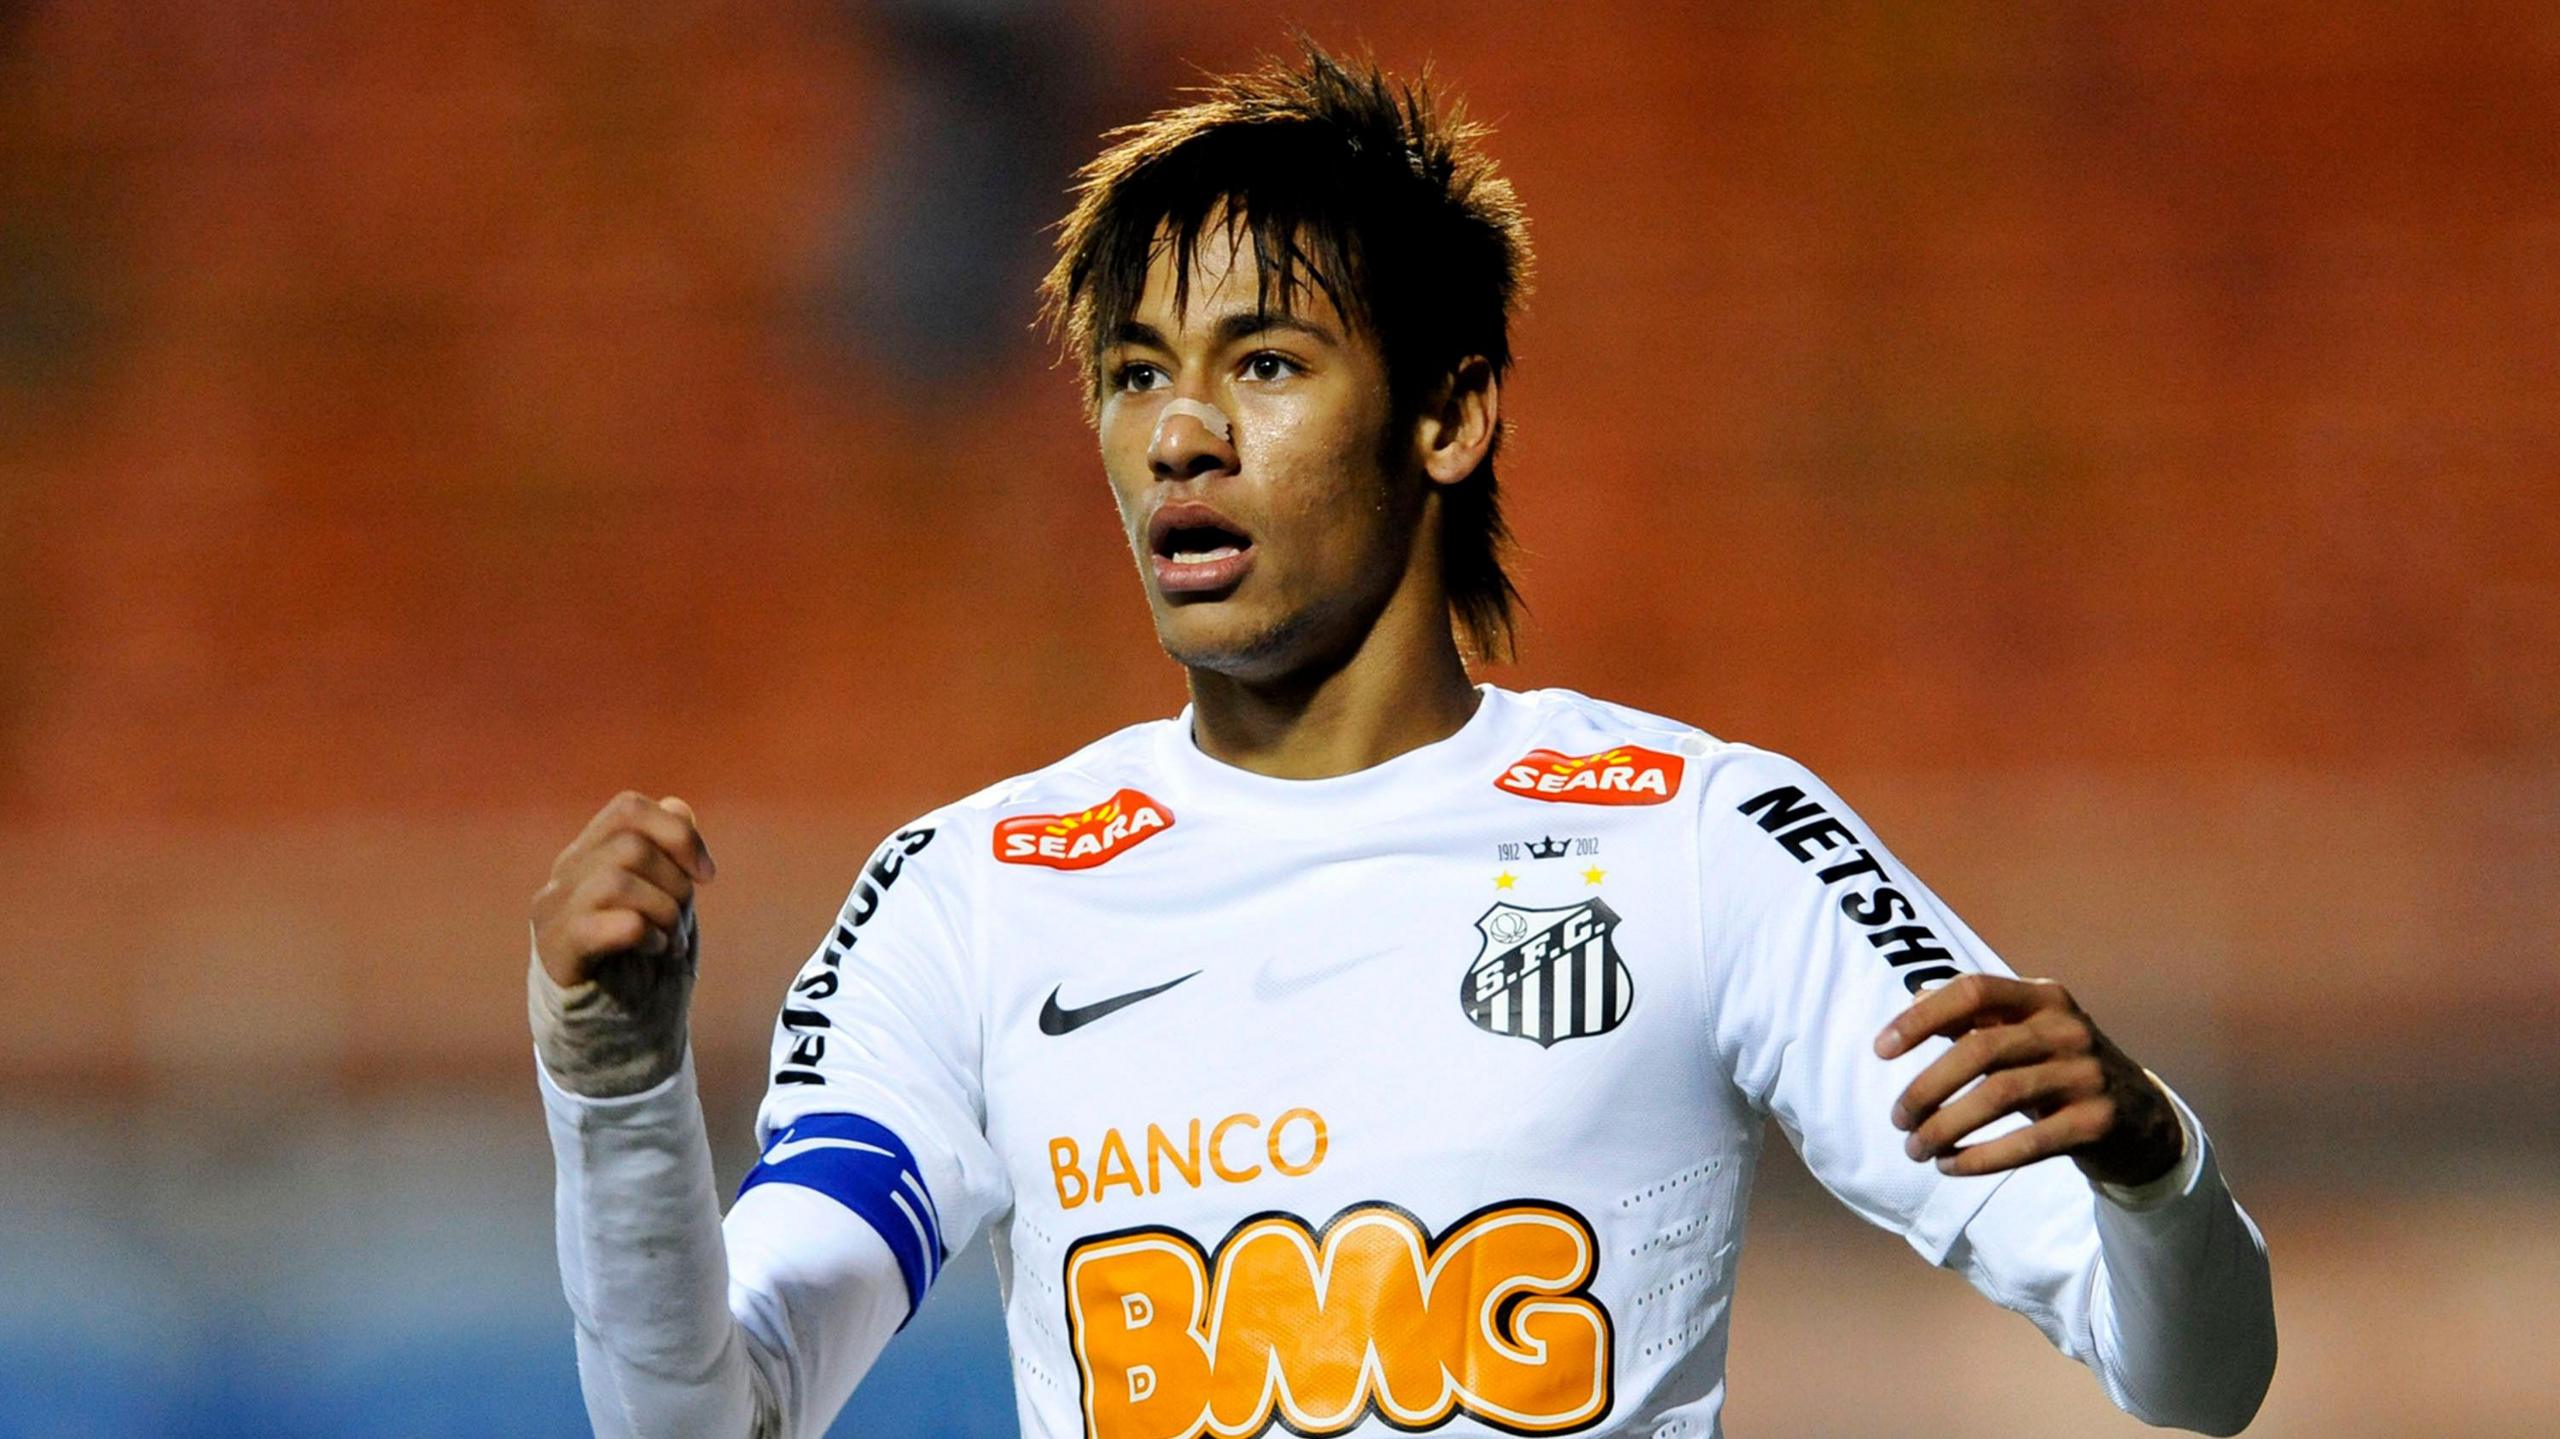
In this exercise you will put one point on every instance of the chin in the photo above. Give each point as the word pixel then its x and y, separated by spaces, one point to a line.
pixel 1239 645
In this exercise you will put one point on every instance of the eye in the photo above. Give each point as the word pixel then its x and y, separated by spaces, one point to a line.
pixel 1135 376
pixel 1269 365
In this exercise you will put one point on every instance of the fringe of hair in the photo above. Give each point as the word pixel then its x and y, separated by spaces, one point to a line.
pixel 1344 178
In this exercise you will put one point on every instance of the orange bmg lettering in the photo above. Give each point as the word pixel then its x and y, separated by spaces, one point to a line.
pixel 1320 1329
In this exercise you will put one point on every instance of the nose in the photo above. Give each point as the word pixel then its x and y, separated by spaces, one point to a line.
pixel 1186 447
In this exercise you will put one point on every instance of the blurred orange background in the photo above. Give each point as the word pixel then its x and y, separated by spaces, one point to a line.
pixel 2119 447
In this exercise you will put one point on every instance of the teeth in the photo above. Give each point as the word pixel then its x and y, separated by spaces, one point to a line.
pixel 1202 557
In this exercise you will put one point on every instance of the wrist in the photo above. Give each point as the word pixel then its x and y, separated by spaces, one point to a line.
pixel 2150 1142
pixel 608 1041
pixel 2169 1183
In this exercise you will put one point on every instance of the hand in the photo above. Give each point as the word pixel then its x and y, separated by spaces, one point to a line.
pixel 2037 1054
pixel 620 888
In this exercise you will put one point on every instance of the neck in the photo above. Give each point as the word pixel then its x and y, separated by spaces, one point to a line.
pixel 1403 687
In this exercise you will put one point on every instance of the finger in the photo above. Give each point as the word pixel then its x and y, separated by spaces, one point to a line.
pixel 673 833
pixel 701 851
pixel 2060 1132
pixel 1969 1058
pixel 636 852
pixel 621 889
pixel 1960 1004
pixel 567 947
pixel 615 814
pixel 612 931
pixel 631 810
pixel 2036 1090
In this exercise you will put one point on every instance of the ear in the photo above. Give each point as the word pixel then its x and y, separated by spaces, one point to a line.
pixel 1459 424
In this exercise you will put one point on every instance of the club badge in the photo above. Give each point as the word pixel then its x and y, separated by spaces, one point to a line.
pixel 1547 974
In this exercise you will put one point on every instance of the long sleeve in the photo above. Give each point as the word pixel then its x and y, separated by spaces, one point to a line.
pixel 1820 936
pixel 688 1328
pixel 695 1327
pixel 1817 936
pixel 2167 1298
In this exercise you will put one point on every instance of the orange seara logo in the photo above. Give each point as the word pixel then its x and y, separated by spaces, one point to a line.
pixel 1081 841
pixel 1318 1329
pixel 1623 774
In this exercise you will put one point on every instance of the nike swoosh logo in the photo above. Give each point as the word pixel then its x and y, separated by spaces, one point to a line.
pixel 1057 1020
pixel 791 1148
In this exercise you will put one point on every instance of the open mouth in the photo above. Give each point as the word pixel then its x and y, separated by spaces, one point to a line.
pixel 1197 550
pixel 1199 544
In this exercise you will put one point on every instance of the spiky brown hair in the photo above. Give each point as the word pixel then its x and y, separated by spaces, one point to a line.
pixel 1344 178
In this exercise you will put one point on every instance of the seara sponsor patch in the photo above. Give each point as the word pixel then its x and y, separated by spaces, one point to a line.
pixel 1082 840
pixel 1623 774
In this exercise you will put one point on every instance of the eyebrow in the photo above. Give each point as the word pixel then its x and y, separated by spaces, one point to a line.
pixel 1233 326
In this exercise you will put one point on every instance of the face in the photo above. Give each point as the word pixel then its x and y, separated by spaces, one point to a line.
pixel 1274 547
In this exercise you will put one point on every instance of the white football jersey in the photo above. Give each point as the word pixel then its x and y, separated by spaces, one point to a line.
pixel 1421 1099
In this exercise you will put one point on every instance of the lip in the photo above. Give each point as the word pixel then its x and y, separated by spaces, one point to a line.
pixel 1200 577
pixel 1205 577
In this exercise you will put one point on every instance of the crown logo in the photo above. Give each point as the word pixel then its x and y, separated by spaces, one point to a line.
pixel 1548 848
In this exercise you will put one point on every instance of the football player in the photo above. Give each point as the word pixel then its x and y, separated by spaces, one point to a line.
pixel 1363 1049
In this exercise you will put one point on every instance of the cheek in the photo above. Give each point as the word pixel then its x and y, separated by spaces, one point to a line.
pixel 1124 466
pixel 1331 508
pixel 1318 446
pixel 1303 429
pixel 1124 498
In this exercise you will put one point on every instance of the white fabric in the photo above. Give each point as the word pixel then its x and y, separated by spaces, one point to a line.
pixel 1392 1055
pixel 681 1332
pixel 2169 1303
pixel 602 1039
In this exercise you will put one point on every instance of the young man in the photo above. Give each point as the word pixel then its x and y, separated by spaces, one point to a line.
pixel 1362 1050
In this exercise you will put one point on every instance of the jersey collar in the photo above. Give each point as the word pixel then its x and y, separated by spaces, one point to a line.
pixel 1423 777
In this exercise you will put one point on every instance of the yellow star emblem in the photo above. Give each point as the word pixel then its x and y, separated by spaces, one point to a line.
pixel 1594 875
pixel 1505 880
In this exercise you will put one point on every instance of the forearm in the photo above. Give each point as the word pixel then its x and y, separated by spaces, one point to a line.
pixel 2169 1303
pixel 2183 1308
pixel 637 1217
pixel 645 1270
pixel 688 1325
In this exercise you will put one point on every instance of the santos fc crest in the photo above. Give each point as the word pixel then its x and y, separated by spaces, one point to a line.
pixel 1548 974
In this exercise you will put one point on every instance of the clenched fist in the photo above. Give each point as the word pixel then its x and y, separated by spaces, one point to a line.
pixel 620 888
pixel 618 911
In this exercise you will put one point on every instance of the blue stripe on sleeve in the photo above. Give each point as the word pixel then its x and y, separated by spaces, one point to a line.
pixel 861 1165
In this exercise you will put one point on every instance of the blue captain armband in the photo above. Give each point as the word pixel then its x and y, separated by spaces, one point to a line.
pixel 861 1165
